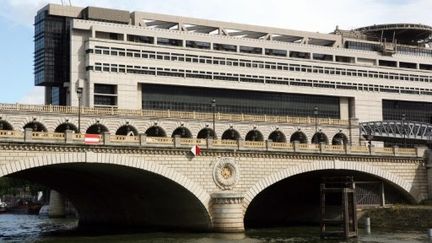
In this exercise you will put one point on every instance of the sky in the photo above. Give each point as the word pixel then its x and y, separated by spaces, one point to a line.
pixel 16 25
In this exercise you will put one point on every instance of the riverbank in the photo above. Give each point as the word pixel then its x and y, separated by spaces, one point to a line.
pixel 403 217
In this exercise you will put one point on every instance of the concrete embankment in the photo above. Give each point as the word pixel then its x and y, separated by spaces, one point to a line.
pixel 406 217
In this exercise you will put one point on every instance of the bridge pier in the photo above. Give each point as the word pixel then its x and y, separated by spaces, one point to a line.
pixel 227 212
pixel 56 205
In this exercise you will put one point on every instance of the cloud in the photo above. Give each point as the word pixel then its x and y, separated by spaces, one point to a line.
pixel 34 96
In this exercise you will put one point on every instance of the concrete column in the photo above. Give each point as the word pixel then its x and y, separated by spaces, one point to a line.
pixel 269 144
pixel 106 138
pixel 344 108
pixel 176 141
pixel 296 146
pixel 56 205
pixel 68 136
pixel 227 212
pixel 240 143
pixel 395 150
pixel 143 139
pixel 209 142
pixel 28 134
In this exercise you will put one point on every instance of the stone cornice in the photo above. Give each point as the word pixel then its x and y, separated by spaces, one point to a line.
pixel 43 147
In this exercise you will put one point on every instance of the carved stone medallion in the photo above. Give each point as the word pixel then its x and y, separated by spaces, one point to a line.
pixel 225 173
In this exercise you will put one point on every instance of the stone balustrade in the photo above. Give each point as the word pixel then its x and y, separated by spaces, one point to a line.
pixel 169 114
pixel 143 140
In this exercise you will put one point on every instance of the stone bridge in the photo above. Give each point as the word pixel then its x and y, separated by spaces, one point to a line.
pixel 157 182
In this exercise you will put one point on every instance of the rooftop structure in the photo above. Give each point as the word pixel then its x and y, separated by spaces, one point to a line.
pixel 114 58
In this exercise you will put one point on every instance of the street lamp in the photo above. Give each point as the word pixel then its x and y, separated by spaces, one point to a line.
pixel 403 127
pixel 79 91
pixel 213 105
pixel 369 138
pixel 316 123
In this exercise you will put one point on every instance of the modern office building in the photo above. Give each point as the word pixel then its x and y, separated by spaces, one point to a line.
pixel 142 60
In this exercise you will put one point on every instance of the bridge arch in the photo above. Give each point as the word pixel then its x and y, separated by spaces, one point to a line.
pixel 206 133
pixel 35 126
pixel 270 180
pixel 231 134
pixel 5 125
pixel 127 130
pixel 277 136
pixel 182 131
pixel 88 158
pixel 66 126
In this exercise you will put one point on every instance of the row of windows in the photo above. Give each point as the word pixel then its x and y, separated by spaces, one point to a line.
pixel 411 111
pixel 251 49
pixel 106 67
pixel 259 64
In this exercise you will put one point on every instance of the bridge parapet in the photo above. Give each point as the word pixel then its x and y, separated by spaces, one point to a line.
pixel 143 140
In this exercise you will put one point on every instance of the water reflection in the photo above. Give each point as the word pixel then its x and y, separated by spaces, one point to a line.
pixel 31 228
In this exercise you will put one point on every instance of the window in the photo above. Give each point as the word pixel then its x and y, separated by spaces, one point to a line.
pixel 322 57
pixel 169 42
pixel 224 47
pixel 251 50
pixel 275 52
pixel 141 39
pixel 297 54
pixel 198 44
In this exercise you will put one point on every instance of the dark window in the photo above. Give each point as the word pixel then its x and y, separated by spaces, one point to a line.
pixel 105 89
pixel 297 54
pixel 386 63
pixel 141 39
pixel 166 97
pixel 408 65
pixel 169 42
pixel 224 47
pixel 323 57
pixel 198 44
pixel 251 50
pixel 414 111
pixel 105 100
pixel 275 52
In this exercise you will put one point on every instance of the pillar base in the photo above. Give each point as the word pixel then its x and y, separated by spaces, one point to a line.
pixel 56 205
pixel 227 212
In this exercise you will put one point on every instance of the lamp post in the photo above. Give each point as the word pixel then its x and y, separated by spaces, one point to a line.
pixel 79 91
pixel 315 112
pixel 403 127
pixel 369 138
pixel 213 105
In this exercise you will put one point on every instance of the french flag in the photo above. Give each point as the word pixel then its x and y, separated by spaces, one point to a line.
pixel 92 139
pixel 196 150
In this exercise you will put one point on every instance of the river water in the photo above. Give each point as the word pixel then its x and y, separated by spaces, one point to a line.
pixel 32 228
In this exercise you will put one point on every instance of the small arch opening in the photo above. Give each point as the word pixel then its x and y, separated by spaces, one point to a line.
pixel 4 125
pixel 127 130
pixel 277 136
pixel 231 134
pixel 254 135
pixel 35 126
pixel 66 126
pixel 298 136
pixel 155 131
pixel 339 139
pixel 206 133
pixel 183 132
pixel 97 129
pixel 319 137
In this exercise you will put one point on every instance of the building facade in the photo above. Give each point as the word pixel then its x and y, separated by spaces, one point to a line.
pixel 114 58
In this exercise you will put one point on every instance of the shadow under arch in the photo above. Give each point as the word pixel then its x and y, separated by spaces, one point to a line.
pixel 35 126
pixel 182 131
pixel 277 136
pixel 254 135
pixel 97 128
pixel 231 134
pixel 155 131
pixel 66 126
pixel 120 191
pixel 127 130
pixel 339 139
pixel 287 181
pixel 319 137
pixel 4 125
pixel 206 133
pixel 298 136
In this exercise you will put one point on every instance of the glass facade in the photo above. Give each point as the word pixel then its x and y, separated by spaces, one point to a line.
pixel 51 57
pixel 166 97
pixel 414 111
